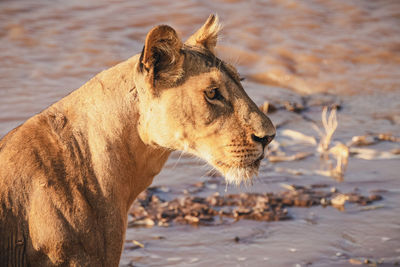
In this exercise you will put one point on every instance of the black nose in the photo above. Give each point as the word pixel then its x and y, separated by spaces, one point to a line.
pixel 263 140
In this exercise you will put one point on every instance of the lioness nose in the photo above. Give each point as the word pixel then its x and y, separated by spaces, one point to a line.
pixel 265 140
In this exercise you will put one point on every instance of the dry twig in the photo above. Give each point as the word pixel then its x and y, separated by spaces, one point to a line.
pixel 330 124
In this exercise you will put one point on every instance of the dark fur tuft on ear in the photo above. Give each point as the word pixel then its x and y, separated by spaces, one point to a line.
pixel 141 66
pixel 161 53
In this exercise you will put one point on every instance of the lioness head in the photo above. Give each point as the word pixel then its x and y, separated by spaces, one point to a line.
pixel 191 100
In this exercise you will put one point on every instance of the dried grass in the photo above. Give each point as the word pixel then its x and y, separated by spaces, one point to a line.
pixel 335 154
pixel 297 156
pixel 340 152
pixel 330 124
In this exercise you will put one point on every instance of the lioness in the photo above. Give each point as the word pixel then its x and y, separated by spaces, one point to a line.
pixel 69 175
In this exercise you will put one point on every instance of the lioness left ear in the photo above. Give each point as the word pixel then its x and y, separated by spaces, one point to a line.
pixel 161 53
pixel 206 37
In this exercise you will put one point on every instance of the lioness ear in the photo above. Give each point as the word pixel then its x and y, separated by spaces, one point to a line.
pixel 161 53
pixel 206 37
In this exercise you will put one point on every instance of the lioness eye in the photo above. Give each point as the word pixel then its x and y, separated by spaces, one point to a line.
pixel 212 94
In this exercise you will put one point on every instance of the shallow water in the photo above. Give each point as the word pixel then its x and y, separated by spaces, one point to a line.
pixel 286 50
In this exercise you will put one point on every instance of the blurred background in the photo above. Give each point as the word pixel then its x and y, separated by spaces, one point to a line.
pixel 304 54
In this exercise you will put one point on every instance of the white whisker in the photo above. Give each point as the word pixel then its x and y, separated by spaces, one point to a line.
pixel 179 158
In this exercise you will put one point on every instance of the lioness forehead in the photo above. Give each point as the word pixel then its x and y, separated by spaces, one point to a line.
pixel 197 62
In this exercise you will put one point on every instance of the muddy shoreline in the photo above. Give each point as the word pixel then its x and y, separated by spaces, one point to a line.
pixel 150 209
pixel 301 190
pixel 297 57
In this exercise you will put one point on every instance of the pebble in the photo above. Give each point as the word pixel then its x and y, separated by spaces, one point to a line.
pixel 375 197
pixel 324 202
pixel 174 259
pixel 145 222
pixel 339 200
pixel 165 189
pixel 364 140
pixel 395 151
pixel 355 262
pixel 267 107
pixel 191 219
pixel 212 186
pixel 294 107
pixel 193 260
pixel 137 243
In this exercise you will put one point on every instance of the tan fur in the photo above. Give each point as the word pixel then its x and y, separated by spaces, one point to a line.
pixel 69 174
pixel 207 35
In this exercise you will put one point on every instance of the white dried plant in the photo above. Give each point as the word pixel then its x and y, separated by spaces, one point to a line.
pixel 339 152
pixel 330 124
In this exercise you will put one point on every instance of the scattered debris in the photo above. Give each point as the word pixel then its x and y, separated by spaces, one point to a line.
pixel 268 108
pixel 371 262
pixel 363 140
pixel 297 156
pixel 339 200
pixel 323 99
pixel 288 187
pixel 294 107
pixel 291 106
pixel 370 139
pixel 330 124
pixel 341 154
pixel 133 244
pixel 137 243
pixel 355 261
pixel 340 151
pixel 374 207
pixel 146 222
pixel 388 137
pixel 372 154
pixel 195 210
pixel 395 151
pixel 298 136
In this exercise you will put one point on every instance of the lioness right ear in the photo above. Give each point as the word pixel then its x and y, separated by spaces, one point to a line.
pixel 160 54
pixel 207 36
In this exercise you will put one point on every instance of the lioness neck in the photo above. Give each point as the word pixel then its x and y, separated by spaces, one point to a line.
pixel 104 112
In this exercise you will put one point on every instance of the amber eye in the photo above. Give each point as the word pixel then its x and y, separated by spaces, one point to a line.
pixel 212 94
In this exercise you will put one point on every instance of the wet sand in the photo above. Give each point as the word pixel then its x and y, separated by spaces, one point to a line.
pixel 297 55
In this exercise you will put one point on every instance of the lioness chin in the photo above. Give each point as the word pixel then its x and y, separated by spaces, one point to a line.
pixel 69 174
